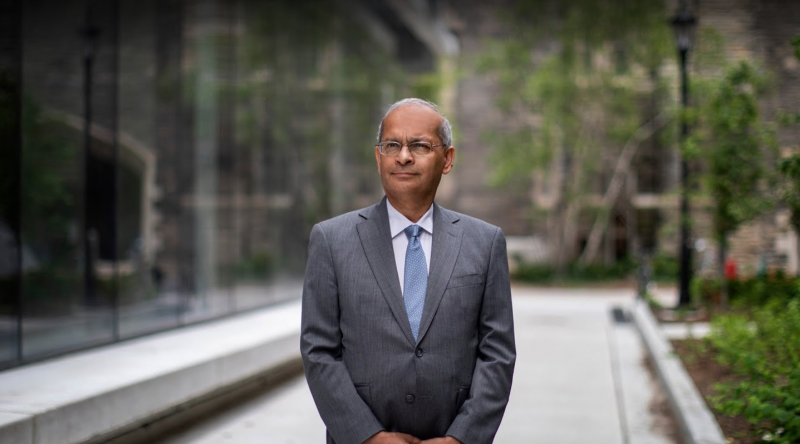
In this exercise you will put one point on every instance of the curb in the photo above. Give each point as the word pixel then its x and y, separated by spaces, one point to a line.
pixel 103 393
pixel 697 423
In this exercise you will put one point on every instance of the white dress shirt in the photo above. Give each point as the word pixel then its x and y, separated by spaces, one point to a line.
pixel 397 225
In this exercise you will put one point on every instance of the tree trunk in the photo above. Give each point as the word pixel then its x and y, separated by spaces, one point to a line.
pixel 615 185
pixel 723 254
pixel 561 211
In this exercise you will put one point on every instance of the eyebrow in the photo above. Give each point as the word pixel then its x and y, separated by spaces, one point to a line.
pixel 409 140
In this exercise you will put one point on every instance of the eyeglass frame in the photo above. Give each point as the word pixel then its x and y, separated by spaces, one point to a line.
pixel 407 144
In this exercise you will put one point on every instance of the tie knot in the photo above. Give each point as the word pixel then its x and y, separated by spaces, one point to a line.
pixel 412 231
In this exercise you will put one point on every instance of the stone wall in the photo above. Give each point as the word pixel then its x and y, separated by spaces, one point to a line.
pixel 760 32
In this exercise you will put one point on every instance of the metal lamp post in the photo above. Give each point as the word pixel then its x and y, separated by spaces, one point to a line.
pixel 90 33
pixel 684 23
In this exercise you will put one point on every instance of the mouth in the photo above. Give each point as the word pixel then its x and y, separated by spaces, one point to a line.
pixel 403 174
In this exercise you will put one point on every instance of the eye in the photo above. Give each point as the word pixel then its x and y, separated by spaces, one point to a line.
pixel 392 145
pixel 419 146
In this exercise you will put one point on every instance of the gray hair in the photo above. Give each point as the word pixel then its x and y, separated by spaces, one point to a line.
pixel 444 131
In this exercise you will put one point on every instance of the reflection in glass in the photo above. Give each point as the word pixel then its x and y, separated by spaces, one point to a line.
pixel 66 169
pixel 148 295
pixel 174 157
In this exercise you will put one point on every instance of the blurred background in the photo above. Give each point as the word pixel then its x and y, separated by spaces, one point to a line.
pixel 164 161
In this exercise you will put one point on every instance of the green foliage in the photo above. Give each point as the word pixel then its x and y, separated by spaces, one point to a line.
pixel 789 168
pixel 309 85
pixel 705 291
pixel 748 293
pixel 51 290
pixel 576 81
pixel 427 86
pixel 790 190
pixel 310 82
pixel 733 142
pixel 571 80
pixel 542 273
pixel 764 345
pixel 48 171
pixel 665 268
pixel 796 44
pixel 763 348
pixel 762 290
pixel 257 267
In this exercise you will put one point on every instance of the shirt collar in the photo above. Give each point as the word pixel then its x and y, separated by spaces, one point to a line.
pixel 398 222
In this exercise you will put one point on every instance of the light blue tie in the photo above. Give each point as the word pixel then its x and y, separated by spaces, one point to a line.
pixel 415 280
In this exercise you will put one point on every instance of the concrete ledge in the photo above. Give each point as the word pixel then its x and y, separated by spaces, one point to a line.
pixel 102 393
pixel 697 423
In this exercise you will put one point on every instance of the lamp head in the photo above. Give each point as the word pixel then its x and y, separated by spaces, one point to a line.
pixel 684 24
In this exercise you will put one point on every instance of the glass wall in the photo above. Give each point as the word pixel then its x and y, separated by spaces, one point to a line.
pixel 164 161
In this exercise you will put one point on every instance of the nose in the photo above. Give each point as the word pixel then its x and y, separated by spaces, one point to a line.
pixel 404 157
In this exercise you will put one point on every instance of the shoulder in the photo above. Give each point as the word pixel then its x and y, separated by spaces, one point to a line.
pixel 472 225
pixel 344 224
pixel 346 219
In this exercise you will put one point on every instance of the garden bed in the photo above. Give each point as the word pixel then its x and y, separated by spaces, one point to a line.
pixel 706 372
pixel 748 368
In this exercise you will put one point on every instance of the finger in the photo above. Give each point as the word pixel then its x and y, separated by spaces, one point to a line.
pixel 409 439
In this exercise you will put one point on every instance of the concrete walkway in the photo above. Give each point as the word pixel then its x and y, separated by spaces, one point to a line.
pixel 580 378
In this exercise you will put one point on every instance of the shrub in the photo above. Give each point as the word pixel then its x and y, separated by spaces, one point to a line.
pixel 705 291
pixel 534 273
pixel 758 291
pixel 541 273
pixel 750 292
pixel 665 268
pixel 764 348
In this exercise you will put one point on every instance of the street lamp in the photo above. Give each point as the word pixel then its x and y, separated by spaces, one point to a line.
pixel 684 24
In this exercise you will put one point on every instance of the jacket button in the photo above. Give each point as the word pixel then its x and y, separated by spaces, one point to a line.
pixel 410 399
pixel 418 353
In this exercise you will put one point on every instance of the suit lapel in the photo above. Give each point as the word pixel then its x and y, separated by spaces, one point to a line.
pixel 446 245
pixel 376 240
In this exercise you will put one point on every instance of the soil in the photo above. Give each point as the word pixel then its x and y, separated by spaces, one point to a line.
pixel 706 372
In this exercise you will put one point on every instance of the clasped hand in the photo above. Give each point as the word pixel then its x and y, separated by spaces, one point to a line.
pixel 403 438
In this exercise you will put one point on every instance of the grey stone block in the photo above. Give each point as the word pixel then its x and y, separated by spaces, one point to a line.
pixel 101 393
pixel 697 423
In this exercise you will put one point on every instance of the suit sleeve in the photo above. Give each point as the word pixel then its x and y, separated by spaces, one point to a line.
pixel 480 415
pixel 348 419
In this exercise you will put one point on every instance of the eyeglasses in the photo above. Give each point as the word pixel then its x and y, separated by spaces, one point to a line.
pixel 415 148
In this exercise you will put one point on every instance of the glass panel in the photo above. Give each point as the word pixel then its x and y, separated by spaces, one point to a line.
pixel 68 170
pixel 149 39
pixel 174 156
pixel 209 295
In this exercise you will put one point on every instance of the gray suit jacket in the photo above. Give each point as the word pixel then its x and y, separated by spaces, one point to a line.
pixel 364 369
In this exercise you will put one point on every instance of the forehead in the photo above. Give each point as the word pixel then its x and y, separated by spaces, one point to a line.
pixel 411 120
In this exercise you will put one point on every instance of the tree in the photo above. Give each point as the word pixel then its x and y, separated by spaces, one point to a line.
pixel 733 141
pixel 790 171
pixel 572 83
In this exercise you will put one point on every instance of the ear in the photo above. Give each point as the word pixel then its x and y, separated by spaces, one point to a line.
pixel 378 158
pixel 449 159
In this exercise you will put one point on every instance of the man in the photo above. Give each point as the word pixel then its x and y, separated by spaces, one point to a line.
pixel 407 331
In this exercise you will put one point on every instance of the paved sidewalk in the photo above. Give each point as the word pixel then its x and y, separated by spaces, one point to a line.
pixel 580 378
